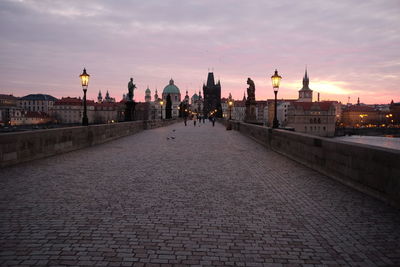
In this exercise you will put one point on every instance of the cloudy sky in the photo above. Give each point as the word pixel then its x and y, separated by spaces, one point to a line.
pixel 351 47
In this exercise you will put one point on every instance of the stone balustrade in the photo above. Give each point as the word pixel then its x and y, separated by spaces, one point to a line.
pixel 25 146
pixel 371 169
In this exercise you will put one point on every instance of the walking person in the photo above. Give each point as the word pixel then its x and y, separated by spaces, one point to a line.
pixel 213 120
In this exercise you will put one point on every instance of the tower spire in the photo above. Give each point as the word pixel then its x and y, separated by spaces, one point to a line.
pixel 306 80
pixel 306 76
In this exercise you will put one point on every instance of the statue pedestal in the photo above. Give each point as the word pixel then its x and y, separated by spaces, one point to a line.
pixel 129 110
pixel 250 111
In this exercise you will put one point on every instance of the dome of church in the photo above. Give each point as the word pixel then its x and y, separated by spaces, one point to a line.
pixel 171 88
pixel 148 90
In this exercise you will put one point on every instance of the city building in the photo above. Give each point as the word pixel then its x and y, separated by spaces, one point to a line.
pixel 37 102
pixel 316 118
pixel 155 107
pixel 393 117
pixel 281 111
pixel 21 117
pixel 147 97
pixel 8 108
pixel 172 90
pixel 197 103
pixel 212 96
pixel 143 111
pixel 361 116
pixel 70 110
pixel 106 112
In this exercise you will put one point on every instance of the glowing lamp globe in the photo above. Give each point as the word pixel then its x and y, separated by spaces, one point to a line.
pixel 84 79
pixel 276 80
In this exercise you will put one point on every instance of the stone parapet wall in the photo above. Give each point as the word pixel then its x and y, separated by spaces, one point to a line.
pixel 25 146
pixel 370 169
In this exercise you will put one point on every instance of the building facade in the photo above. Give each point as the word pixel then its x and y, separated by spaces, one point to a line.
pixel 147 97
pixel 281 111
pixel 37 102
pixel 393 117
pixel 172 90
pixel 22 117
pixel 360 116
pixel 8 108
pixel 316 118
pixel 69 110
pixel 197 103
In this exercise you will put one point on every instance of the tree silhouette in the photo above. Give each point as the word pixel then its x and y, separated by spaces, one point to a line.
pixel 168 108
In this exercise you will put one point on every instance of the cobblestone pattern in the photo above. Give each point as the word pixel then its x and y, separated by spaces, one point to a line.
pixel 206 197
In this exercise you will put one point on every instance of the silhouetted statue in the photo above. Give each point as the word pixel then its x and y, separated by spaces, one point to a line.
pixel 251 102
pixel 130 104
pixel 131 87
pixel 251 91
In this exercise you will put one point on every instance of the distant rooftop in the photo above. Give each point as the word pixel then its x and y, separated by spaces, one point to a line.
pixel 8 97
pixel 39 97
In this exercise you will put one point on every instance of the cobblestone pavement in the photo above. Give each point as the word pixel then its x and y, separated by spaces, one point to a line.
pixel 207 197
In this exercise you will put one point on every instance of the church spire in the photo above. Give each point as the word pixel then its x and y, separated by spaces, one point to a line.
pixel 306 80
pixel 305 93
pixel 99 97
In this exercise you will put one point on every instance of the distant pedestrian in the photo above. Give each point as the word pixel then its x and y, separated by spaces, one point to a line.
pixel 213 121
pixel 204 119
pixel 194 123
pixel 185 120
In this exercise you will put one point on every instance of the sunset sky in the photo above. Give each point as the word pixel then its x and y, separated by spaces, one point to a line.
pixel 351 47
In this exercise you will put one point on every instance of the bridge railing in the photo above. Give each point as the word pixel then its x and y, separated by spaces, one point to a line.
pixel 25 146
pixel 370 169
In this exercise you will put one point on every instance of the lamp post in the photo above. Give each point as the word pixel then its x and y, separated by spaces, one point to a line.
pixel 230 104
pixel 161 103
pixel 85 81
pixel 276 79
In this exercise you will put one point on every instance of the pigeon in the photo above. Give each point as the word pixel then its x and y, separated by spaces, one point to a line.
pixel 172 137
pixel 167 138
pixel 173 130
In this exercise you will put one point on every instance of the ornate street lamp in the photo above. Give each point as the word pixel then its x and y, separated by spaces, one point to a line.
pixel 85 81
pixel 230 104
pixel 161 103
pixel 276 79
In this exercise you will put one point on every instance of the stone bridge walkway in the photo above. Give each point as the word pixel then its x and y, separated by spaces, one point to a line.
pixel 207 197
